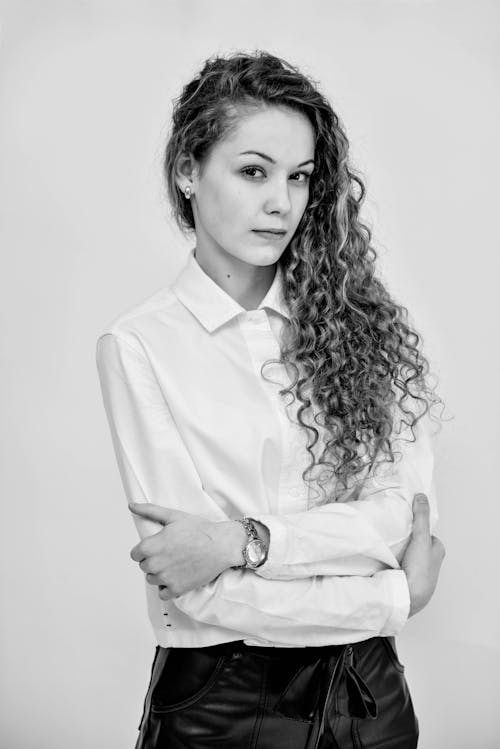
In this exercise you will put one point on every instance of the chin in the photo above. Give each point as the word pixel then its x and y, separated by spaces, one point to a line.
pixel 264 255
pixel 264 262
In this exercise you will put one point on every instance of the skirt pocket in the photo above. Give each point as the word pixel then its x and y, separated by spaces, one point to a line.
pixel 187 676
pixel 390 646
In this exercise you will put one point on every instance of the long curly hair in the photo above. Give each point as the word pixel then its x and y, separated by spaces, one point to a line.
pixel 355 360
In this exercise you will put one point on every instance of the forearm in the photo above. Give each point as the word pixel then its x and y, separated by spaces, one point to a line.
pixel 362 533
pixel 296 551
pixel 336 539
pixel 313 611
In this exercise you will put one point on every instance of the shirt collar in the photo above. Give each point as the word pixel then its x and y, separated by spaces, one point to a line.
pixel 213 306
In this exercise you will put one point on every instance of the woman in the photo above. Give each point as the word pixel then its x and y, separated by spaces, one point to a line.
pixel 275 509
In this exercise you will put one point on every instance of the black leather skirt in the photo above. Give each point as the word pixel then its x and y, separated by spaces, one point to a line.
pixel 234 696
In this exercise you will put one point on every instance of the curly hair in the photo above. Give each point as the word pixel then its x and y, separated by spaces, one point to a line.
pixel 356 361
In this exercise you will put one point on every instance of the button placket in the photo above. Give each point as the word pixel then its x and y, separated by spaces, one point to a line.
pixel 293 492
pixel 264 345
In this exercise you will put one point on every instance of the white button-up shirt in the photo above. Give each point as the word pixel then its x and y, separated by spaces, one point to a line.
pixel 196 427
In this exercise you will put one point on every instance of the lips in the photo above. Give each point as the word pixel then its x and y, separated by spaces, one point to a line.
pixel 275 232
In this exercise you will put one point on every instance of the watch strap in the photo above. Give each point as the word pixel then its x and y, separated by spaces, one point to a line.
pixel 252 535
pixel 249 527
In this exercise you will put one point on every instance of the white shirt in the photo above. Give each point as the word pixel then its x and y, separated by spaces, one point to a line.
pixel 195 427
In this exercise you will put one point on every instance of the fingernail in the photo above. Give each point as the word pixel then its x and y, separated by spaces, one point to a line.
pixel 421 498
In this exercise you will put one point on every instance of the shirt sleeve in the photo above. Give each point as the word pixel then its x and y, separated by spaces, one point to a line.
pixel 155 466
pixel 319 610
pixel 362 535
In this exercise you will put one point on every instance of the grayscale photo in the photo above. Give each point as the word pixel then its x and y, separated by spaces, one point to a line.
pixel 249 437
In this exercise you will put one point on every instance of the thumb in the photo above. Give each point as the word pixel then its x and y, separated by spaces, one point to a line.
pixel 421 521
pixel 154 512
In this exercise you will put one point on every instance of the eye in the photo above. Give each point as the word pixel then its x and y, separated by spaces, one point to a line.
pixel 248 169
pixel 254 172
pixel 306 176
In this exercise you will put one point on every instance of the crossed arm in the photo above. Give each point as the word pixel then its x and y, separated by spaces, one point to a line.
pixel 334 568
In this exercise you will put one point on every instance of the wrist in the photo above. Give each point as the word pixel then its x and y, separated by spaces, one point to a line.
pixel 256 550
pixel 233 539
pixel 417 597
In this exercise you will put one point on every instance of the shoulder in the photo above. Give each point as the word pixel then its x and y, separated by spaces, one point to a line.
pixel 137 323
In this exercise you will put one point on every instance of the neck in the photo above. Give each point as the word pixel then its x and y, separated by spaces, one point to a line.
pixel 247 284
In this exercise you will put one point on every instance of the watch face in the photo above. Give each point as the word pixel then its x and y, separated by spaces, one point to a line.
pixel 255 552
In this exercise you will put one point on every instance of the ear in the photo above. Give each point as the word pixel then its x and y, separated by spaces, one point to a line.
pixel 186 170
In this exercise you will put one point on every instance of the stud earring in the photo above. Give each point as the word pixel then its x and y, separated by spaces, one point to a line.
pixel 187 192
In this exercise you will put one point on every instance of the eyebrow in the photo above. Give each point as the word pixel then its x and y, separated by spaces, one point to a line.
pixel 268 158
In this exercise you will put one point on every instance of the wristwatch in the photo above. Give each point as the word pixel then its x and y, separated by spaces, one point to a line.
pixel 255 551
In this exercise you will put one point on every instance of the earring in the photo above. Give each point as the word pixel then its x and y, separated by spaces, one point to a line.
pixel 187 192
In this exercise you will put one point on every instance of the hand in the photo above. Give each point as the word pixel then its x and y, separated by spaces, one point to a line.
pixel 188 552
pixel 423 557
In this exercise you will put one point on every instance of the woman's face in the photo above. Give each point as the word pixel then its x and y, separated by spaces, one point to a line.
pixel 256 178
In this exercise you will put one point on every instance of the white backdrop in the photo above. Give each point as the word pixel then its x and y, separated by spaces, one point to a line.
pixel 85 97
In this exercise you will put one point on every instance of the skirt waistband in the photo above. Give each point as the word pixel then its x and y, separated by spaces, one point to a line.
pixel 307 652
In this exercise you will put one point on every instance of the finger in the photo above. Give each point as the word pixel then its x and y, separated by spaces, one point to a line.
pixel 137 553
pixel 421 521
pixel 150 511
pixel 164 593
pixel 147 565
pixel 438 548
pixel 155 580
pixel 144 548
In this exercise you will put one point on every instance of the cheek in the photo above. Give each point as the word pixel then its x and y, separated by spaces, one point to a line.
pixel 227 210
pixel 301 205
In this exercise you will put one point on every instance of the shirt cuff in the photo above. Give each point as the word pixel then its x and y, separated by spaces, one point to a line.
pixel 278 547
pixel 399 592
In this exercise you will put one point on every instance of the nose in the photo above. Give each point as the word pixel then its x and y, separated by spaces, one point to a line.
pixel 278 199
